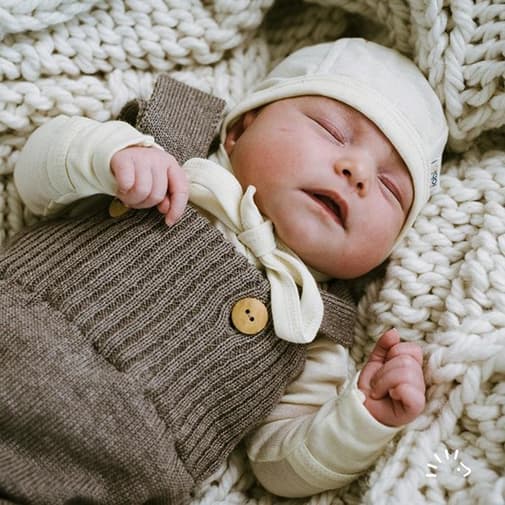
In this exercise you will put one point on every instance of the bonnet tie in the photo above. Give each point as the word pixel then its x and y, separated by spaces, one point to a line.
pixel 297 306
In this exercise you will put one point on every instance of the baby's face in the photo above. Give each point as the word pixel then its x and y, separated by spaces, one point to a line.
pixel 333 185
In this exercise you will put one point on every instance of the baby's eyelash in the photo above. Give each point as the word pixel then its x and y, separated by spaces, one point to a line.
pixel 391 187
pixel 331 129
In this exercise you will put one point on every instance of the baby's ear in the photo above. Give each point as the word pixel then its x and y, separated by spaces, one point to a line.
pixel 238 128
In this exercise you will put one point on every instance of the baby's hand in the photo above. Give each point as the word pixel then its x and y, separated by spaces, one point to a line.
pixel 148 177
pixel 392 380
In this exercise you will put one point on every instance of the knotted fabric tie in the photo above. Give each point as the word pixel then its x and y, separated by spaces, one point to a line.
pixel 297 314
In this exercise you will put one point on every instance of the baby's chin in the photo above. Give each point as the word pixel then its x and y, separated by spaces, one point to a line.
pixel 342 270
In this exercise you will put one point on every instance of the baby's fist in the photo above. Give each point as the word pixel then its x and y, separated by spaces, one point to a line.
pixel 392 380
pixel 148 177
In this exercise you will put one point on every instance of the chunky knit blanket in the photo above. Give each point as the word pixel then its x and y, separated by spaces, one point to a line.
pixel 444 287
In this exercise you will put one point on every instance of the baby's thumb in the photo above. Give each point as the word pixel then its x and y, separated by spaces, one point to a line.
pixel 382 346
pixel 377 357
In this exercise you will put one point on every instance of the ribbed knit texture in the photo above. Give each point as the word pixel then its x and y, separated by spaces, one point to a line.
pixel 339 313
pixel 194 117
pixel 155 303
pixel 123 379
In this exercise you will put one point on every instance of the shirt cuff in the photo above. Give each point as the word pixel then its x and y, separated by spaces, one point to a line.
pixel 344 440
pixel 88 157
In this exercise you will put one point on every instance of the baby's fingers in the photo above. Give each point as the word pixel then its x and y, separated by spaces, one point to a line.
pixel 155 189
pixel 124 173
pixel 401 370
pixel 406 348
pixel 378 357
pixel 408 400
pixel 178 193
pixel 141 189
pixel 164 205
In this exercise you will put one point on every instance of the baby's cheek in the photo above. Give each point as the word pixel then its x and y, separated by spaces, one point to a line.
pixel 378 242
pixel 387 223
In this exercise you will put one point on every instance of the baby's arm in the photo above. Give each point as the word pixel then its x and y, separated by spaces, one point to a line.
pixel 316 440
pixel 68 158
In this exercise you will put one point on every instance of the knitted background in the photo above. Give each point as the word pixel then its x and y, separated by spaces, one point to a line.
pixel 444 288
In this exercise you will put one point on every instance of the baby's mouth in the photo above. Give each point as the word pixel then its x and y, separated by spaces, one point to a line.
pixel 333 204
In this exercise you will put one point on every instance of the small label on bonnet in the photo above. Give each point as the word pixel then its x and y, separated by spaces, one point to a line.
pixel 435 176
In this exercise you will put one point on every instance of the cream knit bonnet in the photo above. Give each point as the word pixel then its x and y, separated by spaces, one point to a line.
pixel 379 82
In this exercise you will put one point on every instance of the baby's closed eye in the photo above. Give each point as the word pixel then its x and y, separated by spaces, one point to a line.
pixel 390 185
pixel 333 130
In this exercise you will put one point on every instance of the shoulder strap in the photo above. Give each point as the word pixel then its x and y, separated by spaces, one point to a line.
pixel 339 313
pixel 182 119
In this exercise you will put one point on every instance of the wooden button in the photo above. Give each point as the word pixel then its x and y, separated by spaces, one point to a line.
pixel 249 316
pixel 117 208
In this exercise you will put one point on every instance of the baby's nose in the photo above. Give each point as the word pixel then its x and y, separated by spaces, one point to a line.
pixel 357 173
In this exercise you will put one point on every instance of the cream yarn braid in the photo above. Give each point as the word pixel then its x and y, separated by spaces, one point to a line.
pixel 444 287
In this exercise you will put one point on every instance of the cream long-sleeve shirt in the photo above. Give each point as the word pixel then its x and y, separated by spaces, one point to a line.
pixel 320 436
